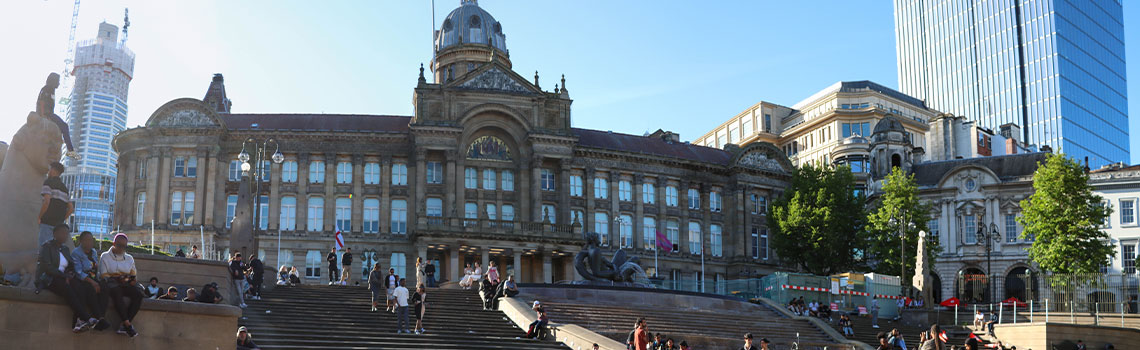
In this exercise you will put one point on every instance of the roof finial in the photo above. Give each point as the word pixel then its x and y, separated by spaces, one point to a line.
pixel 465 2
pixel 555 88
pixel 535 78
pixel 564 82
pixel 422 80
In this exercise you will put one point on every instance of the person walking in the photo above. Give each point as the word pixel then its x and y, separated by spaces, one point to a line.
pixel 57 205
pixel 401 295
pixel 376 286
pixel 429 270
pixel 237 274
pixel 875 312
pixel 419 300
pixel 257 276
pixel 331 259
pixel 120 280
pixel 391 282
pixel 346 272
pixel 748 343
pixel 421 273
pixel 641 338
pixel 55 271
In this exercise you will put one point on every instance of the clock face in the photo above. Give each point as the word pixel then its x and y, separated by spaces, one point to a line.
pixel 971 185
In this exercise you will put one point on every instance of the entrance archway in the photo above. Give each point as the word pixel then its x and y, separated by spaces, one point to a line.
pixel 972 286
pixel 935 289
pixel 1020 283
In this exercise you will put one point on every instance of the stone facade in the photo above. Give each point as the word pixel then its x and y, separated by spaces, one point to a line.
pixel 487 169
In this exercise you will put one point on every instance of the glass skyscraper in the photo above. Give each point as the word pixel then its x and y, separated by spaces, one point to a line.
pixel 1053 67
pixel 97 111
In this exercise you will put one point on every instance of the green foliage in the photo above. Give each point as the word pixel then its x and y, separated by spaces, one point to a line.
pixel 817 224
pixel 899 201
pixel 1064 217
pixel 133 249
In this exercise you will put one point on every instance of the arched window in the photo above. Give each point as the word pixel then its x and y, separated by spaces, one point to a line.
pixel 896 161
pixel 489 148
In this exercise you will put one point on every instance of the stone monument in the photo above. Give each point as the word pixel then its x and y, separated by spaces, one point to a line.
pixel 3 152
pixel 921 280
pixel 621 270
pixel 34 147
pixel 241 230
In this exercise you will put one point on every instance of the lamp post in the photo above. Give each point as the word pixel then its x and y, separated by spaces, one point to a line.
pixel 902 248
pixel 259 158
pixel 990 237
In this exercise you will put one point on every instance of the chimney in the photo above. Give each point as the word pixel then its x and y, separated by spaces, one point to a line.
pixel 1011 131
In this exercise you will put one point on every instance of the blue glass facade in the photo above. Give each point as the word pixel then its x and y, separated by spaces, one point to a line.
pixel 1053 67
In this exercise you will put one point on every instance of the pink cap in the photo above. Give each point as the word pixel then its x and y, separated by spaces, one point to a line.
pixel 120 235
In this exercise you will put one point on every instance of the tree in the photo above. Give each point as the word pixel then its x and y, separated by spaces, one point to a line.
pixel 817 224
pixel 1064 218
pixel 898 209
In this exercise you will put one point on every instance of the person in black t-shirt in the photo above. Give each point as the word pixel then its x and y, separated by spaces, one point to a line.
pixel 346 272
pixel 257 276
pixel 331 259
pixel 57 204
pixel 429 270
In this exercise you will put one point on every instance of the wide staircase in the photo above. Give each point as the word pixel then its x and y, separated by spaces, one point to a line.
pixel 338 317
pixel 867 333
pixel 699 328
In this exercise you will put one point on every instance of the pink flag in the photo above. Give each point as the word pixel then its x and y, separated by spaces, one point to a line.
pixel 664 242
pixel 339 239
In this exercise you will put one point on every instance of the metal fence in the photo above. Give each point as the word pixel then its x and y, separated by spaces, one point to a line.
pixel 1108 299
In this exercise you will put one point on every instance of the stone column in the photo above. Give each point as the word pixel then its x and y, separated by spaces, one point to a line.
pixel 125 187
pixel 588 194
pixel 638 216
pixel 536 188
pixel 615 209
pixel 200 197
pixel 386 196
pixel 683 224
pixel 274 197
pixel 523 190
pixel 330 193
pixel 547 268
pixel 450 207
pixel 564 192
pixel 303 160
pixel 662 215
pixel 163 196
pixel 357 192
pixel 518 265
pixel 454 268
pixel 485 258
pixel 220 172
pixel 706 219
pixel 208 170
pixel 420 181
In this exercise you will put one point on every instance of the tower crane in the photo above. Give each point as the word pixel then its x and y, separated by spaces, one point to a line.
pixel 68 63
pixel 126 24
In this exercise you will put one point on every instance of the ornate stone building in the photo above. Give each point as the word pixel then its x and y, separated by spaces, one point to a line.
pixel 487 169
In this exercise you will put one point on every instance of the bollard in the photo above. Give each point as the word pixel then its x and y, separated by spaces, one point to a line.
pixel 1122 314
pixel 955 314
pixel 1031 311
pixel 1001 310
pixel 1046 310
pixel 1096 313
pixel 1015 312
pixel 1071 313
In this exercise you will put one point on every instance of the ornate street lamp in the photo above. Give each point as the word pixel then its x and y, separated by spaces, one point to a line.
pixel 260 155
pixel 989 237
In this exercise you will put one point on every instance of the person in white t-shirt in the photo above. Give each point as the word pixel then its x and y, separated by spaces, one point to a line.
pixel 401 301
pixel 117 268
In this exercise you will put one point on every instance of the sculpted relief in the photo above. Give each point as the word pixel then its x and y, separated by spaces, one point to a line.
pixel 495 79
pixel 759 160
pixel 186 118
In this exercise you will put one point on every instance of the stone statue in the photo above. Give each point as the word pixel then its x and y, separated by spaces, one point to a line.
pixel 595 268
pixel 921 279
pixel 34 147
pixel 3 152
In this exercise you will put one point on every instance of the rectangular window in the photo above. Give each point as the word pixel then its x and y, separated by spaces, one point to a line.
pixel 399 263
pixel 694 199
pixel 648 193
pixel 263 213
pixel 470 210
pixel 714 201
pixel 970 229
pixel 434 173
pixel 754 243
pixel 289 171
pixel 313 260
pixel 399 174
pixel 549 213
pixel 576 185
pixel 343 214
pixel 192 167
pixel 316 172
pixel 176 208
pixel 508 212
pixel 179 167
pixel 1128 257
pixel 671 196
pixel 649 233
pixel 767 123
pixel 508 180
pixel 371 173
pixel 932 225
pixel 142 169
pixel 470 178
pixel 601 187
pixel 625 231
pixel 1011 228
pixel 489 180
pixel 316 214
pixel 266 170
pixel 547 179
pixel 492 211
pixel 343 173
pixel 231 209
pixel 602 227
pixel 434 207
pixel 625 191
pixel 140 208
pixel 715 240
pixel 235 171
pixel 764 244
pixel 371 216
pixel 695 238
pixel 673 233
pixel 1127 211
pixel 288 217
pixel 399 216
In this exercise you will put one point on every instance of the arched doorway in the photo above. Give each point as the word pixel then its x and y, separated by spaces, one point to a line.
pixel 1020 283
pixel 935 289
pixel 972 286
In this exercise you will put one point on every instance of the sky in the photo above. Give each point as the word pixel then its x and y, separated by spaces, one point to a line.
pixel 631 66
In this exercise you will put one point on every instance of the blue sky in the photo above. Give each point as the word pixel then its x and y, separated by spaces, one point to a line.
pixel 631 66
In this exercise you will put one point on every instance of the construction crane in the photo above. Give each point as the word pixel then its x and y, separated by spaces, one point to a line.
pixel 126 24
pixel 68 62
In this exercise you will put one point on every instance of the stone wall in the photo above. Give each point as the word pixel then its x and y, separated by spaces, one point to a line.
pixel 42 321
pixel 184 272
pixel 1047 335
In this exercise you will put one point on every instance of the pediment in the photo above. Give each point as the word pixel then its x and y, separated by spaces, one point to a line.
pixel 763 156
pixel 185 113
pixel 493 77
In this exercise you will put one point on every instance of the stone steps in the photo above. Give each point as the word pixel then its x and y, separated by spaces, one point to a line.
pixel 339 317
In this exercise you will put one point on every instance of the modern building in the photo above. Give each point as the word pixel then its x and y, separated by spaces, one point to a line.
pixel 488 169
pixel 819 129
pixel 97 112
pixel 1054 68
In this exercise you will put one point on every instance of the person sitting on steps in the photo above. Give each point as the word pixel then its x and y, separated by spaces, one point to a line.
pixel 117 268
pixel 56 272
